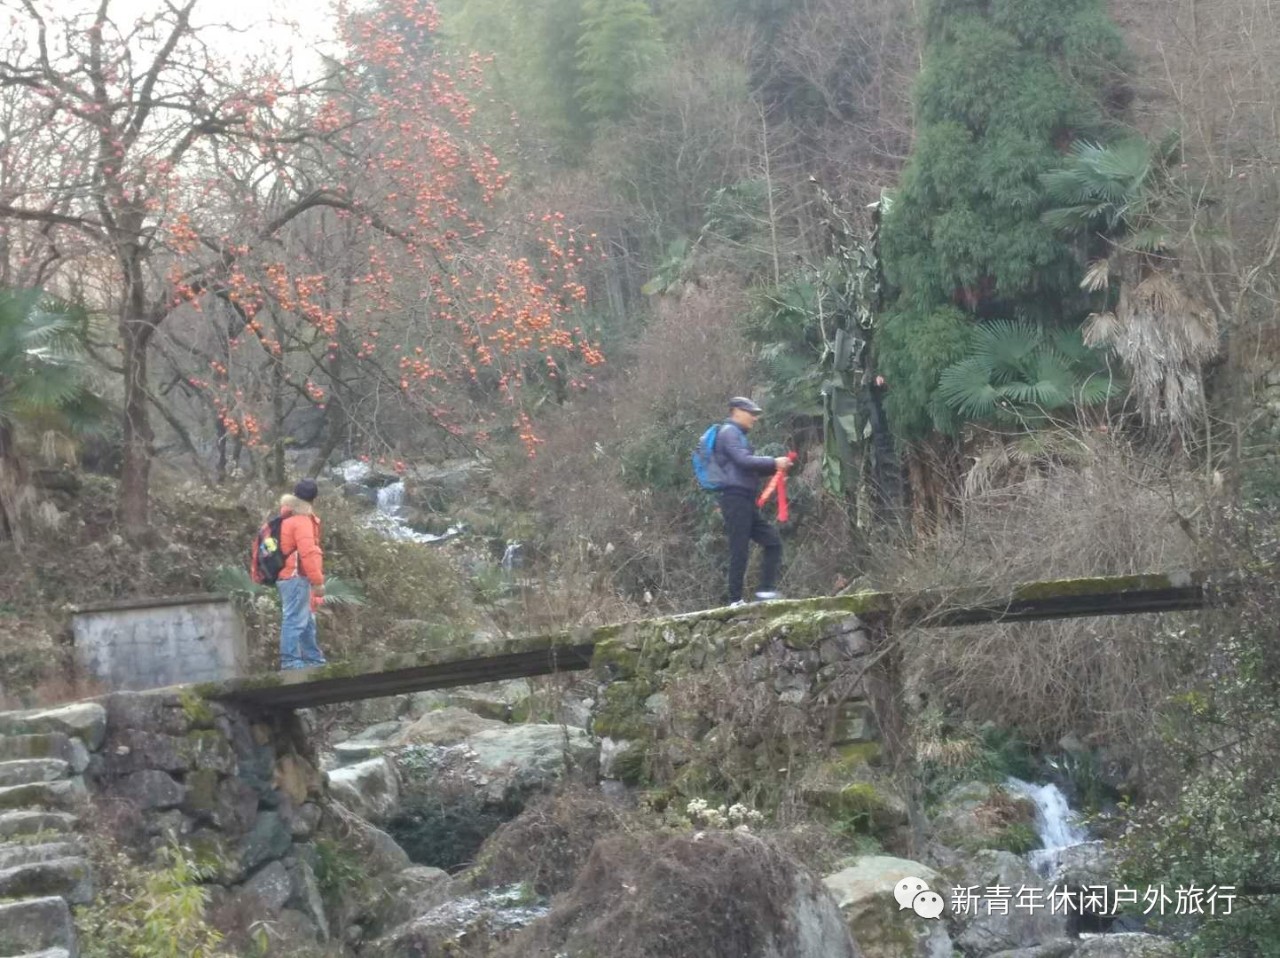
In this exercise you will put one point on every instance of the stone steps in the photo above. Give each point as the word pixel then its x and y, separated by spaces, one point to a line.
pixel 43 866
pixel 86 721
pixel 62 796
pixel 45 745
pixel 68 878
pixel 25 822
pixel 37 926
pixel 26 771
pixel 13 855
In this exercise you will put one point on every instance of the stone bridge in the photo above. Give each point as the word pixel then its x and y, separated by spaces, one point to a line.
pixel 230 768
pixel 881 613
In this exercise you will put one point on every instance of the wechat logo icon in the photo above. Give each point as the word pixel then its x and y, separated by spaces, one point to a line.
pixel 914 893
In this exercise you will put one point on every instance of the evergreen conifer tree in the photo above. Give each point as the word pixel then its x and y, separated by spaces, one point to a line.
pixel 1006 87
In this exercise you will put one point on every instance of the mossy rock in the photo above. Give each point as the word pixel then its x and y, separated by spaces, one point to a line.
pixel 632 766
pixel 976 815
pixel 620 714
pixel 615 659
pixel 197 709
pixel 854 756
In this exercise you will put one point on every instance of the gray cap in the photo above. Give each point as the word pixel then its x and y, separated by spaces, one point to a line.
pixel 742 402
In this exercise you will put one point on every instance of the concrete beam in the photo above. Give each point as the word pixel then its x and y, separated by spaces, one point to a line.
pixel 570 652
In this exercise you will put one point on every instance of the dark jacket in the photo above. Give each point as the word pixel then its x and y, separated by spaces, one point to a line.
pixel 739 468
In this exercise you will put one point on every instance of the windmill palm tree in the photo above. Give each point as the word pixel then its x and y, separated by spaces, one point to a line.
pixel 1109 199
pixel 1020 373
pixel 43 384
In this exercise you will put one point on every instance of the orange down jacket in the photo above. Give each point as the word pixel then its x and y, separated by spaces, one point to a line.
pixel 300 542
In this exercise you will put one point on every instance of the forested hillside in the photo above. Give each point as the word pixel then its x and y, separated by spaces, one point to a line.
pixel 1004 274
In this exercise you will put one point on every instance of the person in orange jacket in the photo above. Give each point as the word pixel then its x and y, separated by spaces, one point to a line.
pixel 301 581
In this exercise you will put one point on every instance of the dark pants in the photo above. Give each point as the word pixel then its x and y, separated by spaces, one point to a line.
pixel 743 523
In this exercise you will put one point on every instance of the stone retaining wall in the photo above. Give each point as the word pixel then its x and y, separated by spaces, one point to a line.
pixel 683 703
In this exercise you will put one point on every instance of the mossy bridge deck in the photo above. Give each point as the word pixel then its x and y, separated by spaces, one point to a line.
pixel 573 650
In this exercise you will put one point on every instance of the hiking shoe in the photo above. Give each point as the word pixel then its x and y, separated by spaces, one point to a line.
pixel 768 595
pixel 734 605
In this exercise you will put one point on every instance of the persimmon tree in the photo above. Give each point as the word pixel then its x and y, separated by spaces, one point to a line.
pixel 200 182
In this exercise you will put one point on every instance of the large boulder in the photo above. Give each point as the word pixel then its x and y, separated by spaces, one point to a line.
pixel 446 726
pixel 883 926
pixel 371 789
pixel 414 892
pixel 1019 917
pixel 1089 863
pixel 977 815
pixel 515 761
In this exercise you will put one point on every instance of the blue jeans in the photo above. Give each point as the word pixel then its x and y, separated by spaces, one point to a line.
pixel 298 649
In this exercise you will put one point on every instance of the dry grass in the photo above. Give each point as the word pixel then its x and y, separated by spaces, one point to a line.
pixel 654 895
pixel 550 841
pixel 1116 513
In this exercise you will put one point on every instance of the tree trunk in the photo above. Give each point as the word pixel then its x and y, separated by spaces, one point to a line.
pixel 11 483
pixel 135 475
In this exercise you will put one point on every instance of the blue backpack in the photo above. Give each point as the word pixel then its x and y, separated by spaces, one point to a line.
pixel 704 460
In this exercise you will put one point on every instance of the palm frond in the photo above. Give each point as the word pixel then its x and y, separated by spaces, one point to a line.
pixel 235 581
pixel 341 592
pixel 966 388
pixel 1005 345
pixel 49 386
pixel 1097 277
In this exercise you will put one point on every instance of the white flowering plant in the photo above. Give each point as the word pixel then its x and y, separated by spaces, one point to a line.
pixel 737 817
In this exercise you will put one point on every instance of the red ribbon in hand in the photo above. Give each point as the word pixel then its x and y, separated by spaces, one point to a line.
pixel 777 483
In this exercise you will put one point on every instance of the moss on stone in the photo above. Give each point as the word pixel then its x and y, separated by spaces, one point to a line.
pixel 614 658
pixel 196 708
pixel 632 765
pixel 855 756
pixel 1097 585
pixel 201 787
pixel 621 710
pixel 338 670
pixel 1018 838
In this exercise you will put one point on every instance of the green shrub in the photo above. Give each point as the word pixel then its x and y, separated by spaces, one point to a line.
pixel 151 911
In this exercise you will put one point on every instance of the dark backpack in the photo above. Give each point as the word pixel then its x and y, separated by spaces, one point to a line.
pixel 267 561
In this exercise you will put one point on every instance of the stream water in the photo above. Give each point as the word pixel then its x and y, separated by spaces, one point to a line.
pixel 388 516
pixel 1057 825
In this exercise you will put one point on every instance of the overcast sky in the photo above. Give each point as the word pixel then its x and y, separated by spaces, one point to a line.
pixel 261 27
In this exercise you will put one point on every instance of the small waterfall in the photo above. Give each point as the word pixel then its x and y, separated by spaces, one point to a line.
pixel 391 498
pixel 1056 824
pixel 512 557
pixel 389 515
